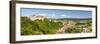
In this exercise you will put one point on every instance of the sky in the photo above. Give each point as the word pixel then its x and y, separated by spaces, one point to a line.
pixel 56 13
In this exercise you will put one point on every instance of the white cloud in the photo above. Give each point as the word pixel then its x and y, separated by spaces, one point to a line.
pixel 40 14
pixel 65 16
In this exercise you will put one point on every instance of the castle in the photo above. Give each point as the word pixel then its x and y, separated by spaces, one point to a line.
pixel 35 17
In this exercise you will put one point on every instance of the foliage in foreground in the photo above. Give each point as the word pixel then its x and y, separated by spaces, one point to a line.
pixel 29 27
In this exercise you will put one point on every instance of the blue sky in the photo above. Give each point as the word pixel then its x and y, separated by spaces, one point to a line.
pixel 56 13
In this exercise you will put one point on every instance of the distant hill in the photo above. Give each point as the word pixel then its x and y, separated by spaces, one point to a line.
pixel 71 18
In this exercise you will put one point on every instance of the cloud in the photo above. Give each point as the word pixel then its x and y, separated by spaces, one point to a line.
pixel 65 16
pixel 40 14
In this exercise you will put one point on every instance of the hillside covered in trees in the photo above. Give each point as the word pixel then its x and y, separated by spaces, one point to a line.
pixel 42 27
